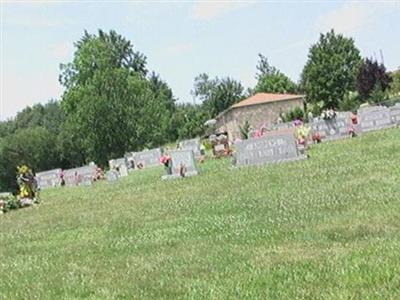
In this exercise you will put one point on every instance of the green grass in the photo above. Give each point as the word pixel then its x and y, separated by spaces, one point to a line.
pixel 324 228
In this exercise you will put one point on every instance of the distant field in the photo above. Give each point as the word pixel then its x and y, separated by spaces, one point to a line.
pixel 325 228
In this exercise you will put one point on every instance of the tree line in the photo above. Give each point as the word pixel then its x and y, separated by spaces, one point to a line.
pixel 112 103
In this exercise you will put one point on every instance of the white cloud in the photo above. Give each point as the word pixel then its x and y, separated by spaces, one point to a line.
pixel 179 49
pixel 208 10
pixel 353 16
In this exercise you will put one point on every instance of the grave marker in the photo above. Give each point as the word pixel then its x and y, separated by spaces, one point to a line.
pixel 48 179
pixel 112 176
pixel 332 129
pixel 182 158
pixel 80 176
pixel 395 114
pixel 267 149
pixel 121 164
pixel 374 118
pixel 193 144
pixel 148 158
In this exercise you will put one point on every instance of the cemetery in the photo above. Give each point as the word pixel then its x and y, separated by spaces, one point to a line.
pixel 189 172
pixel 142 216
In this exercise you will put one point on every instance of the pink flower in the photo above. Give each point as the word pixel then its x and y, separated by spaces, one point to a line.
pixel 297 122
pixel 164 159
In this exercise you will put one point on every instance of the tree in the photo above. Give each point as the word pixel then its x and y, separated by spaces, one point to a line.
pixel 331 69
pixel 188 120
pixel 372 79
pixel 395 84
pixel 217 94
pixel 110 102
pixel 29 146
pixel 271 80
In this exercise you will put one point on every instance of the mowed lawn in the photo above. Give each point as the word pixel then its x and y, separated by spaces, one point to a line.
pixel 325 228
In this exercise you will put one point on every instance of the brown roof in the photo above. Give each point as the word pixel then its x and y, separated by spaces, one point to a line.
pixel 260 98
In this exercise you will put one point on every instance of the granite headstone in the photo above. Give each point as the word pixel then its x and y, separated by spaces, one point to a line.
pixel 182 159
pixel 332 129
pixel 48 179
pixel 80 176
pixel 148 158
pixel 267 149
pixel 395 114
pixel 120 164
pixel 112 176
pixel 374 118
pixel 193 144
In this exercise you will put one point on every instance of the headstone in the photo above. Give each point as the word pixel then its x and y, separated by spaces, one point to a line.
pixel 374 118
pixel 121 164
pixel 193 144
pixel 148 158
pixel 267 149
pixel 395 114
pixel 130 160
pixel 49 179
pixel 332 129
pixel 80 176
pixel 185 159
pixel 112 176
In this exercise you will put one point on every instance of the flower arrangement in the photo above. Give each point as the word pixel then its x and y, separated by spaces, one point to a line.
pixel 316 137
pixel 302 132
pixel 27 185
pixel 165 159
pixel 328 114
pixel 167 162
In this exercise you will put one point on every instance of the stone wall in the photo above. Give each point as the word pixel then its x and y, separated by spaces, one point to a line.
pixel 257 115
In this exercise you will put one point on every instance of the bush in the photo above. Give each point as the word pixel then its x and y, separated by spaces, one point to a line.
pixel 12 203
pixel 296 114
pixel 245 130
pixel 351 102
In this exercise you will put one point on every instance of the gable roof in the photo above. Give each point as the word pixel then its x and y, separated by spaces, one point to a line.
pixel 260 98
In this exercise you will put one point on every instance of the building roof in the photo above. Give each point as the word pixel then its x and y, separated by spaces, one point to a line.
pixel 260 98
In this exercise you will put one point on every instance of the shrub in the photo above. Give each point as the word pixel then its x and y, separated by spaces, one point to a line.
pixel 245 130
pixel 296 114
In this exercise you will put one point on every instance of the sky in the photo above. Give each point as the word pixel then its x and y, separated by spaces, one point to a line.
pixel 182 39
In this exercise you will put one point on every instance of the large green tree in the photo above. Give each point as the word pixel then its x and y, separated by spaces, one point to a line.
pixel 331 69
pixel 217 94
pixel 110 102
pixel 271 80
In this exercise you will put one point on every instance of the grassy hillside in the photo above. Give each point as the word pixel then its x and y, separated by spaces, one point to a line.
pixel 325 228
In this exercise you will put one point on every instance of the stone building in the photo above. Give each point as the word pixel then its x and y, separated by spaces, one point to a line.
pixel 259 109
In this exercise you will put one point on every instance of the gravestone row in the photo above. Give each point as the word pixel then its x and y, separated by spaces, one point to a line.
pixel 255 151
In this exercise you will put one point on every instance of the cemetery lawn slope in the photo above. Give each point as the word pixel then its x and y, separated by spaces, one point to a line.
pixel 324 228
